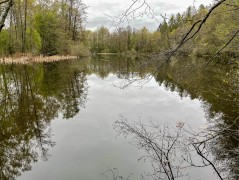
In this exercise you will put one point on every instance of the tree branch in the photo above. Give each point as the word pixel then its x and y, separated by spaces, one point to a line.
pixel 2 2
pixel 202 22
pixel 4 16
pixel 229 41
pixel 199 152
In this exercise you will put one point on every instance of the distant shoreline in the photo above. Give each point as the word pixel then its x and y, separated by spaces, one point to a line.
pixel 107 53
pixel 34 59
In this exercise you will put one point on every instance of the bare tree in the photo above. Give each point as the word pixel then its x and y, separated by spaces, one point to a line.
pixel 113 174
pixel 184 41
pixel 160 146
pixel 171 151
pixel 191 33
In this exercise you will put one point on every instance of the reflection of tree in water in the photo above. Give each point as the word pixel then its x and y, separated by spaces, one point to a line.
pixel 218 88
pixel 67 86
pixel 123 67
pixel 31 96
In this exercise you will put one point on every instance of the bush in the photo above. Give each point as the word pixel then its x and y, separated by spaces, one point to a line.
pixel 80 50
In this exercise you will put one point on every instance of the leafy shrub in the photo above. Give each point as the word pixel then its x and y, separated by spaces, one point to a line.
pixel 80 50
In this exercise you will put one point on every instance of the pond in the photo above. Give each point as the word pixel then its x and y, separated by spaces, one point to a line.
pixel 56 119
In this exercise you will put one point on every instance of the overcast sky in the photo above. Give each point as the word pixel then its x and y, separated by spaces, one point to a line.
pixel 99 12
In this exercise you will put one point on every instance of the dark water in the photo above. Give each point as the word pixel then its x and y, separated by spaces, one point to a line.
pixel 56 118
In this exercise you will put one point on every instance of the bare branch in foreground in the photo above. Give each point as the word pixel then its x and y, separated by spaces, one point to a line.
pixel 169 151
pixel 132 12
pixel 187 37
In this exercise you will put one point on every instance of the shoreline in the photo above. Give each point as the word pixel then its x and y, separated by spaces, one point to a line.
pixel 34 59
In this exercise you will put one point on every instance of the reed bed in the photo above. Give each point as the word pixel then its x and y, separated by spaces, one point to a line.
pixel 34 59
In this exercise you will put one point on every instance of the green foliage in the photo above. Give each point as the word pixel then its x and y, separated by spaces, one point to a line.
pixel 80 50
pixel 46 27
pixel 214 34
pixel 53 28
pixel 4 42
pixel 33 41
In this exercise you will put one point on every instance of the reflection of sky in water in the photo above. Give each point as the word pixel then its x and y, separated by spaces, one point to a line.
pixel 86 144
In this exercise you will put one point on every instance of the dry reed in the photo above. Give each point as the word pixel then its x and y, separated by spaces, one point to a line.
pixel 28 59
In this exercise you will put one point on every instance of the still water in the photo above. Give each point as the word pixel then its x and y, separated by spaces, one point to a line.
pixel 56 118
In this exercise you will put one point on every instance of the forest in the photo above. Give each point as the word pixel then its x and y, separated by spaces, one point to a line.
pixel 58 27
pixel 43 27
pixel 221 25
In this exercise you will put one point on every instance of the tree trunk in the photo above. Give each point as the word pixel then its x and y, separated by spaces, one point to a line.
pixel 5 13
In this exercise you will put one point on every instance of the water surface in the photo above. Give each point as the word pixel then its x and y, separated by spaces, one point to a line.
pixel 56 118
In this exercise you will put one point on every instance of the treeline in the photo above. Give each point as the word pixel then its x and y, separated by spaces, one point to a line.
pixel 219 28
pixel 43 27
pixel 123 40
pixel 57 27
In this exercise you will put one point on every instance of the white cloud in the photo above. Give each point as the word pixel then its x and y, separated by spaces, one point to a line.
pixel 101 11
